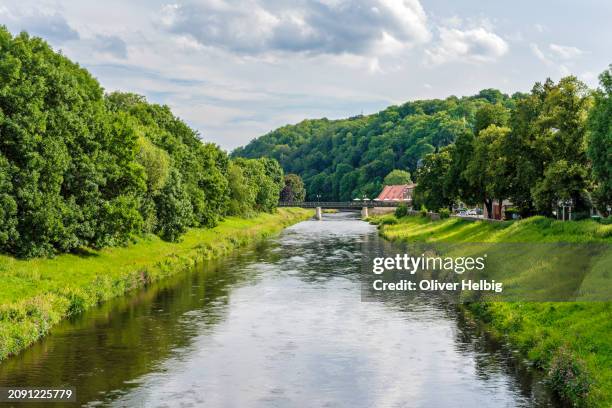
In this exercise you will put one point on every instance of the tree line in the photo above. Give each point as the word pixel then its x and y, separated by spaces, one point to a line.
pixel 350 158
pixel 79 168
pixel 551 148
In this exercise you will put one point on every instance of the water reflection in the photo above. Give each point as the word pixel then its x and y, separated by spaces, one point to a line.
pixel 281 324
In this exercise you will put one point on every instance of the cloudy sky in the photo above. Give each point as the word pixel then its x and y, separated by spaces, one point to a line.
pixel 237 69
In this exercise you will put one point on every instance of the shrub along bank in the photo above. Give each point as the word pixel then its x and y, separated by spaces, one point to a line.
pixel 570 341
pixel 36 294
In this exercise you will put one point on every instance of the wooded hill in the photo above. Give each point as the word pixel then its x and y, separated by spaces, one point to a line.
pixel 548 148
pixel 348 158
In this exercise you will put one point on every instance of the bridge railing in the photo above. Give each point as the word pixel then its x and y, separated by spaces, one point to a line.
pixel 342 204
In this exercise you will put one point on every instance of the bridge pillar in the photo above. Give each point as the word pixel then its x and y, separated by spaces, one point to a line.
pixel 364 212
pixel 319 215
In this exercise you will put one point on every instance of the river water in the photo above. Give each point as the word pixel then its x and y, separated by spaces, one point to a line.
pixel 281 324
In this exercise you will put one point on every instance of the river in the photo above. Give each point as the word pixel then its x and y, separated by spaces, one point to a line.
pixel 280 324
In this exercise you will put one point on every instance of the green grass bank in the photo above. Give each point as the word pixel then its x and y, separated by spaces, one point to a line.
pixel 36 294
pixel 570 341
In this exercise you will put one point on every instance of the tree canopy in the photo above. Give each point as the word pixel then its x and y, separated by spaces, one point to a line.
pixel 80 168
pixel 539 149
pixel 600 141
pixel 294 190
pixel 344 159
pixel 397 177
pixel 533 153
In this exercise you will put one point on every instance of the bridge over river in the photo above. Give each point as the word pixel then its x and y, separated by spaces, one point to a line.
pixel 339 205
pixel 362 205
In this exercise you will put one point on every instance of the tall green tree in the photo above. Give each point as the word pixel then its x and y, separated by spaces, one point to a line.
pixel 264 185
pixel 487 171
pixel 600 141
pixel 294 190
pixel 80 168
pixel 456 183
pixel 431 180
pixel 8 205
pixel 397 177
pixel 561 139
pixel 174 209
pixel 548 127
pixel 242 194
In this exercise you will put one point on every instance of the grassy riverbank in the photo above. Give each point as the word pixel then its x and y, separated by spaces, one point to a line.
pixel 570 341
pixel 36 294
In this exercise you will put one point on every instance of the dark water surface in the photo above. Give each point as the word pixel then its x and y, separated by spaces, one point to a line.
pixel 278 325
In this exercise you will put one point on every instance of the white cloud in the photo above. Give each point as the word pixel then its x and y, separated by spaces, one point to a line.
pixel 473 45
pixel 258 27
pixel 565 52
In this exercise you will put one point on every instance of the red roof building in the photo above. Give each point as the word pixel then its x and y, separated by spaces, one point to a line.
pixel 400 192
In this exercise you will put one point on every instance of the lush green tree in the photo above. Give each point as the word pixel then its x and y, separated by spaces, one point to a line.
pixel 156 164
pixel 488 115
pixel 600 141
pixel 431 180
pixel 320 187
pixel 561 137
pixel 456 182
pixel 486 173
pixel 369 190
pixel 562 181
pixel 174 209
pixel 548 126
pixel 397 177
pixel 8 206
pixel 202 166
pixel 242 194
pixel 266 189
pixel 294 190
pixel 274 171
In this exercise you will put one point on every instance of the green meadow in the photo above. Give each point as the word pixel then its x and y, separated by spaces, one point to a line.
pixel 37 293
pixel 571 342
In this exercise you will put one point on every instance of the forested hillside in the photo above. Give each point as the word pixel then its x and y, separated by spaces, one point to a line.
pixel 544 150
pixel 81 168
pixel 344 159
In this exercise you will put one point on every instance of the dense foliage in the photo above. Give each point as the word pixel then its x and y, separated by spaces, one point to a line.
pixel 600 141
pixel 533 153
pixel 344 159
pixel 78 168
pixel 550 147
pixel 397 177
pixel 294 190
pixel 264 179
